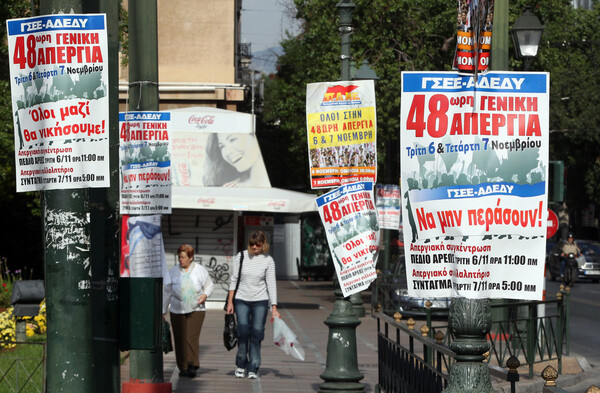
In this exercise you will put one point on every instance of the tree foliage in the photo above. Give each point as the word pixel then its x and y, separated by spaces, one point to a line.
pixel 419 35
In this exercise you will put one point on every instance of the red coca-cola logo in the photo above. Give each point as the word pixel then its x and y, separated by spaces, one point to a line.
pixel 276 204
pixel 202 120
pixel 206 201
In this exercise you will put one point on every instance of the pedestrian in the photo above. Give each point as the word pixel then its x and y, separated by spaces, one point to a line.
pixel 186 295
pixel 257 288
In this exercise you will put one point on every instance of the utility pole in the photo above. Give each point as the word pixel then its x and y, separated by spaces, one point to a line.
pixel 105 224
pixel 69 365
pixel 146 366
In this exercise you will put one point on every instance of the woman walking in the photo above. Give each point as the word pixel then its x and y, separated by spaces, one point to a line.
pixel 190 287
pixel 257 288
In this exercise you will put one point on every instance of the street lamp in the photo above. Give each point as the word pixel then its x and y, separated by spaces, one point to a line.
pixel 526 34
pixel 364 73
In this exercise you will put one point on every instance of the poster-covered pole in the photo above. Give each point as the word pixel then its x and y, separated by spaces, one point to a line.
pixel 67 254
pixel 104 230
pixel 146 366
pixel 341 369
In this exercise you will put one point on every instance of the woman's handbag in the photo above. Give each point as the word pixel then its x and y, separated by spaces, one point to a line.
pixel 167 344
pixel 230 330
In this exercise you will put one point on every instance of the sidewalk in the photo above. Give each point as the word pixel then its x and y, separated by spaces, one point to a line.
pixel 304 306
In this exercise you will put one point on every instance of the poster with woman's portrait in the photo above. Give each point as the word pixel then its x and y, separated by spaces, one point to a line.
pixel 209 150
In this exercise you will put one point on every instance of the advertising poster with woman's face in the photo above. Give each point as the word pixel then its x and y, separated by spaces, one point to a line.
pixel 216 148
pixel 218 160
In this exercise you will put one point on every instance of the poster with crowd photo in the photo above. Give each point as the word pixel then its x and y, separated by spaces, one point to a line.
pixel 215 148
pixel 350 220
pixel 388 206
pixel 145 170
pixel 342 132
pixel 142 248
pixel 474 170
pixel 59 85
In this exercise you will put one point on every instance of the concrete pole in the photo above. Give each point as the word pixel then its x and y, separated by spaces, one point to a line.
pixel 69 365
pixel 105 223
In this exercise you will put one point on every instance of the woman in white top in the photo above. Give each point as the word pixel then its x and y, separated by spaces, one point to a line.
pixel 190 287
pixel 257 288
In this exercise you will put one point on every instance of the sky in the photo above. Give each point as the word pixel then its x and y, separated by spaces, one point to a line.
pixel 264 22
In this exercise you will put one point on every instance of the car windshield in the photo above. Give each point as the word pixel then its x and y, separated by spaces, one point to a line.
pixel 590 248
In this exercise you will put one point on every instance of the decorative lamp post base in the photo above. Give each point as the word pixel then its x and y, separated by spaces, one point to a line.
pixel 470 321
pixel 341 370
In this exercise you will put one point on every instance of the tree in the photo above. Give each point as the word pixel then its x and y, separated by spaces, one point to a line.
pixel 419 35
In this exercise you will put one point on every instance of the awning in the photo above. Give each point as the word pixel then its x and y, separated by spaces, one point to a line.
pixel 274 200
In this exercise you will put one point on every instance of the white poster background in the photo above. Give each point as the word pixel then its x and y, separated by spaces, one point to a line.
pixel 388 206
pixel 145 162
pixel 59 85
pixel 146 249
pixel 350 220
pixel 474 170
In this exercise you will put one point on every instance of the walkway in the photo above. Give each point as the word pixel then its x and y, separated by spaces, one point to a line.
pixel 304 306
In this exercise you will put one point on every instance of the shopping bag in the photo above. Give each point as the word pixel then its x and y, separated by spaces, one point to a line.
pixel 167 344
pixel 230 332
pixel 286 340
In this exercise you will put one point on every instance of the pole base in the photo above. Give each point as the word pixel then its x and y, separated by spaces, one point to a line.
pixel 140 387
pixel 341 387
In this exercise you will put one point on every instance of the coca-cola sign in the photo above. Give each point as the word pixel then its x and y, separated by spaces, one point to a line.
pixel 206 201
pixel 201 121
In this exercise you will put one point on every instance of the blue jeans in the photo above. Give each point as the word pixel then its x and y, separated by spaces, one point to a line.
pixel 251 318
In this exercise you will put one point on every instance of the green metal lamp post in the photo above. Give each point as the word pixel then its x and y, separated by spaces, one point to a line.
pixel 364 72
pixel 526 34
pixel 341 369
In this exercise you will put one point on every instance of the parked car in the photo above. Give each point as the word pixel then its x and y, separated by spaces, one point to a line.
pixel 588 261
pixel 413 306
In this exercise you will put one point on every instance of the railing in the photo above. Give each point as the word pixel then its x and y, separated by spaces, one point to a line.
pixel 519 329
pixel 22 367
pixel 410 361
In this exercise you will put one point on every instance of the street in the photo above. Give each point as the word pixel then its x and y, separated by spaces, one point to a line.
pixel 585 318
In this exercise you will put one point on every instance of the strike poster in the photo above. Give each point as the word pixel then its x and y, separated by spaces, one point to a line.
pixel 474 169
pixel 388 206
pixel 144 152
pixel 142 249
pixel 350 220
pixel 59 86
pixel 342 131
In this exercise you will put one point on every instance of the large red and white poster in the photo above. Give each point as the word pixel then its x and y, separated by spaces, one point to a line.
pixel 474 177
pixel 59 86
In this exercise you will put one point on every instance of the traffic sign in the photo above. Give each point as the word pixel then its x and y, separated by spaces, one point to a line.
pixel 552 224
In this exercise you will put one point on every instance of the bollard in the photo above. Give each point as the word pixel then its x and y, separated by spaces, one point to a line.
pixel 341 370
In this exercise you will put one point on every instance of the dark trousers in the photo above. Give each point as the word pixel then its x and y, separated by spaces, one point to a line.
pixel 186 334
